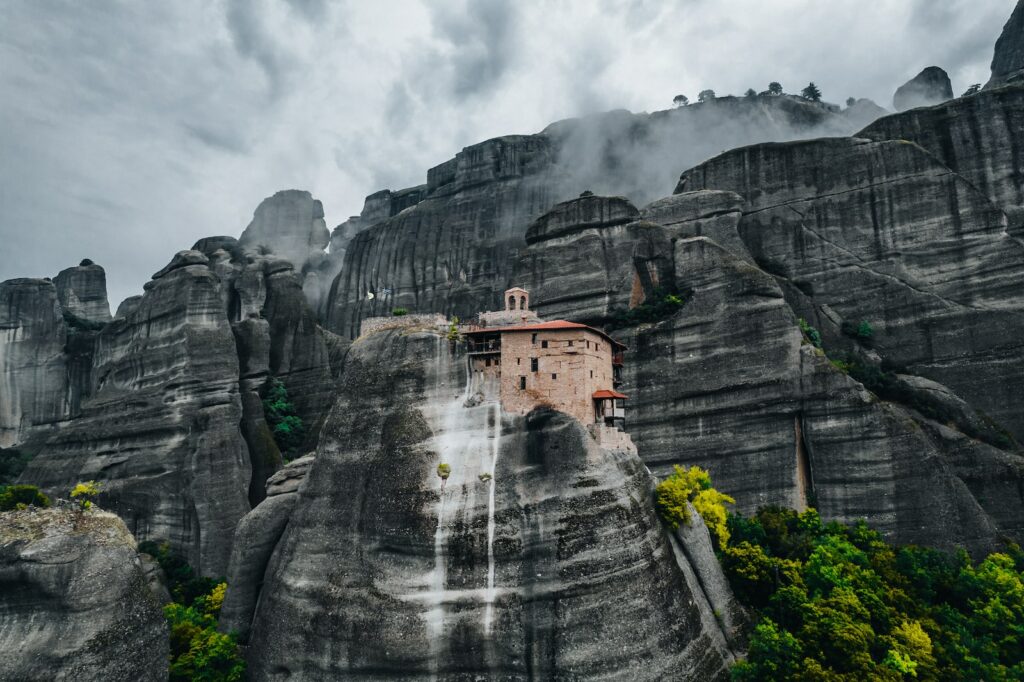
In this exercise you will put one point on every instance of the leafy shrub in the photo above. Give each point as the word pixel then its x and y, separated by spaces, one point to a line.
pixel 453 330
pixel 693 485
pixel 21 496
pixel 444 471
pixel 198 650
pixel 837 602
pixel 863 331
pixel 812 335
pixel 287 427
pixel 84 493
pixel 398 312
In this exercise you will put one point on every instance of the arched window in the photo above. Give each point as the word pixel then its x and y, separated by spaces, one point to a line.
pixel 511 302
pixel 522 303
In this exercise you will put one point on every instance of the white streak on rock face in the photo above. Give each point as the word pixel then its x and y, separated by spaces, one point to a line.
pixel 495 451
pixel 467 438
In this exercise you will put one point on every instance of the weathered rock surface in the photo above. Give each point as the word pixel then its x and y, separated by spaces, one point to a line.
pixel 883 232
pixel 161 429
pixel 589 210
pixel 449 247
pixel 33 369
pixel 1008 58
pixel 74 602
pixel 980 137
pixel 82 291
pixel 555 568
pixel 929 87
pixel 725 383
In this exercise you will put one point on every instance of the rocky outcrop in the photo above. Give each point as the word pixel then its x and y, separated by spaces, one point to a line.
pixel 980 137
pixel 75 602
pixel 82 292
pixel 33 369
pixel 588 210
pixel 929 87
pixel 1008 59
pixel 449 247
pixel 862 112
pixel 882 232
pixel 555 567
pixel 725 382
pixel 161 428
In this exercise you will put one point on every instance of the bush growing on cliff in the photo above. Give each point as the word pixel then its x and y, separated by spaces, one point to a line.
pixel 12 462
pixel 837 602
pixel 288 428
pixel 810 333
pixel 21 496
pixel 693 485
pixel 399 312
pixel 660 305
pixel 84 493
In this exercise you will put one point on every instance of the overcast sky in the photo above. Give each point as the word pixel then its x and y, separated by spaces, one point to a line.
pixel 130 129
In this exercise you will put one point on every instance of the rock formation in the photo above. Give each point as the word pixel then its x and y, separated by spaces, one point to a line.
pixel 929 87
pixel 32 377
pixel 447 247
pixel 75 601
pixel 82 292
pixel 556 567
pixel 726 383
pixel 1008 59
pixel 979 137
pixel 161 428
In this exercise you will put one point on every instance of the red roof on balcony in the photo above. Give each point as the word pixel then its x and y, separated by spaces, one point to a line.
pixel 598 395
pixel 545 326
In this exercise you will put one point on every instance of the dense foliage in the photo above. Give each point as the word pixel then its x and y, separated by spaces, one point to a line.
pixel 21 496
pixel 288 429
pixel 84 493
pixel 837 602
pixel 12 462
pixel 693 486
pixel 198 650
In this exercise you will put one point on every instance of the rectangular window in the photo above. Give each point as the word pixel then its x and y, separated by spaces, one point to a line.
pixel 597 347
pixel 497 361
pixel 570 344
pixel 519 361
pixel 533 364
pixel 487 362
pixel 554 376
pixel 543 344
pixel 522 383
pixel 533 339
pixel 591 374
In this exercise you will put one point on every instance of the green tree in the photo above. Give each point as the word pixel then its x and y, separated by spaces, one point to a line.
pixel 693 486
pixel 973 90
pixel 680 100
pixel 706 95
pixel 750 93
pixel 21 496
pixel 85 492
pixel 811 92
pixel 287 427
pixel 774 89
pixel 850 101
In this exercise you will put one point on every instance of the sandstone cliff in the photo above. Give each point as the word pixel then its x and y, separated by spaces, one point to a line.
pixel 1008 58
pixel 74 599
pixel 554 568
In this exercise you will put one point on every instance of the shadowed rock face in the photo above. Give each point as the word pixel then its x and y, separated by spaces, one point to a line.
pixel 1008 59
pixel 74 602
pixel 555 568
pixel 726 383
pixel 33 377
pixel 161 428
pixel 979 137
pixel 929 87
pixel 449 246
pixel 881 231
pixel 82 291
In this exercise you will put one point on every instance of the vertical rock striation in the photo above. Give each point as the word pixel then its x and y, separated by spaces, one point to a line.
pixel 82 292
pixel 1008 58
pixel 554 567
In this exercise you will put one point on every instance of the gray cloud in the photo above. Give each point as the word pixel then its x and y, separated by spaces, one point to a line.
pixel 129 130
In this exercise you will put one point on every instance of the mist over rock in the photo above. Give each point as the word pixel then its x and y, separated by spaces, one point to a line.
pixel 448 247
pixel 1008 58
pixel 82 291
pixel 585 581
pixel 75 602
pixel 929 87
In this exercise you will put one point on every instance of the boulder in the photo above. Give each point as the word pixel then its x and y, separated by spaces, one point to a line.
pixel 1008 58
pixel 75 600
pixel 929 87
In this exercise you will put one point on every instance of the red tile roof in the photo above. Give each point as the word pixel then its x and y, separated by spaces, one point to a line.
pixel 605 393
pixel 545 326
